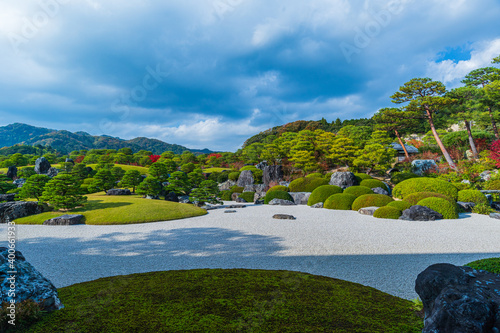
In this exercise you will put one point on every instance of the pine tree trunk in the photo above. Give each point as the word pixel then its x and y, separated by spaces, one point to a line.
pixel 493 124
pixel 471 139
pixel 438 140
pixel 402 145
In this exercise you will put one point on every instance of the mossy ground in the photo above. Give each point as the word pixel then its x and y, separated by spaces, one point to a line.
pixel 142 170
pixel 491 265
pixel 127 209
pixel 238 300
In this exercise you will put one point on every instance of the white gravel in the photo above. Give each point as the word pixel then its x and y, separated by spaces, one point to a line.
pixel 384 254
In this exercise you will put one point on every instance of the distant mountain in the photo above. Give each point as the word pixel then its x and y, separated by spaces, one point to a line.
pixel 65 141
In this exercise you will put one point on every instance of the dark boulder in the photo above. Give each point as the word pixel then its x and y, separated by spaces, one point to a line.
pixel 272 174
pixel 7 197
pixel 65 220
pixel 495 205
pixel 420 213
pixel 246 178
pixel 12 172
pixel 119 191
pixel 466 206
pixel 10 211
pixel 89 170
pixel 172 196
pixel 69 160
pixel 284 217
pixel 343 179
pixel 42 166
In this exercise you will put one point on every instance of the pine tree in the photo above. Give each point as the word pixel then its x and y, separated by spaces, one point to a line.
pixel 103 181
pixel 63 192
pixel 34 186
pixel 150 186
pixel 132 178
pixel 206 192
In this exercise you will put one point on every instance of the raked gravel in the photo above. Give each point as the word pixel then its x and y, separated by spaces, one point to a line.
pixel 384 254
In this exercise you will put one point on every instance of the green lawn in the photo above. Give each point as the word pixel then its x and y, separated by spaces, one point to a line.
pixel 212 170
pixel 4 170
pixel 103 209
pixel 238 300
pixel 142 170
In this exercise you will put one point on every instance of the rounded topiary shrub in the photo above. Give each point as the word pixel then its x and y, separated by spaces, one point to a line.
pixel 234 176
pixel 372 183
pixel 402 176
pixel 249 167
pixel 424 184
pixel 316 174
pixel 371 200
pixel 358 191
pixel 278 188
pixel 442 206
pixel 401 205
pixel 225 195
pixel 247 196
pixel 362 176
pixel 277 195
pixel 322 193
pixel 387 212
pixel 340 201
pixel 307 184
pixel 414 198
pixel 474 196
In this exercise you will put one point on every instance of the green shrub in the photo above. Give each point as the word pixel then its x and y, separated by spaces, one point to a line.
pixel 277 195
pixel 88 181
pixel 226 195
pixel 358 191
pixel 362 176
pixel 223 177
pixel 463 186
pixel 402 176
pixel 401 205
pixel 492 185
pixel 474 196
pixel 307 184
pixel 414 198
pixel 234 176
pixel 371 200
pixel 387 212
pixel 424 184
pixel 27 313
pixel 373 183
pixel 340 201
pixel 237 189
pixel 257 176
pixel 442 206
pixel 483 209
pixel 247 196
pixel 315 174
pixel 249 167
pixel 322 193
pixel 491 265
pixel 278 188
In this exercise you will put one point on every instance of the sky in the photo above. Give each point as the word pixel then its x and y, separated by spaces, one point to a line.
pixel 211 73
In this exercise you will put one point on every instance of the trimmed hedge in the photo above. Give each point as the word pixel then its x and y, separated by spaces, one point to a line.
pixel 322 193
pixel 278 188
pixel 444 207
pixel 316 174
pixel 402 176
pixel 388 212
pixel 358 191
pixel 234 176
pixel 339 201
pixel 474 196
pixel 277 195
pixel 491 265
pixel 372 183
pixel 424 184
pixel 414 198
pixel 371 200
pixel 401 205
pixel 307 184
pixel 247 196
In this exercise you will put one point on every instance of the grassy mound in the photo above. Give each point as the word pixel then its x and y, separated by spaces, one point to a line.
pixel 307 184
pixel 238 300
pixel 423 184
pixel 278 188
pixel 414 198
pixel 442 206
pixel 127 209
pixel 322 193
pixel 402 176
pixel 362 176
pixel 373 183
pixel 491 265
pixel 387 212
pixel 371 200
pixel 277 195
pixel 401 205
pixel 358 191
pixel 474 196
pixel 340 201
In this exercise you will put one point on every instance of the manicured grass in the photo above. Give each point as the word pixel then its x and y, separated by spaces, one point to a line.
pixel 491 265
pixel 238 300
pixel 212 170
pixel 103 209
pixel 4 170
pixel 142 170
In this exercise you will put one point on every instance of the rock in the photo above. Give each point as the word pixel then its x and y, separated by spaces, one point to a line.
pixel 19 182
pixel 459 299
pixel 184 199
pixel 42 166
pixel 380 190
pixel 229 211
pixel 272 174
pixel 283 183
pixel 284 217
pixel 300 198
pixel 495 205
pixel 420 213
pixel 420 167
pixel 69 160
pixel 12 172
pixel 259 196
pixel 466 206
pixel 226 186
pixel 17 209
pixel 465 181
pixel 236 206
pixel 495 216
pixel 343 179
pixel 368 210
pixel 246 178
pixel 65 220
pixel 235 196
pixel 172 196
pixel 318 205
pixel 255 188
pixel 259 202
pixel 52 172
pixel 490 198
pixel 262 165
pixel 7 197
pixel 486 175
pixel 152 197
pixel 281 202
pixel 240 200
pixel 119 191
pixel 30 284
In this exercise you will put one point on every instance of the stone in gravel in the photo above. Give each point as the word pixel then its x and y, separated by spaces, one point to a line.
pixel 42 166
pixel 12 172
pixel 318 205
pixel 30 284
pixel 246 178
pixel 281 202
pixel 420 213
pixel 368 210
pixel 495 216
pixel 459 299
pixel 119 191
pixel 17 209
pixel 272 174
pixel 229 211
pixel 343 179
pixel 241 200
pixel 71 219
pixel 284 217
pixel 466 206
pixel 380 190
pixel 259 202
pixel 172 196
pixel 300 198
pixel 236 206
pixel 7 197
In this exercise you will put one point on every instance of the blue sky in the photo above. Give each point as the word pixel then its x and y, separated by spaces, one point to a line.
pixel 209 74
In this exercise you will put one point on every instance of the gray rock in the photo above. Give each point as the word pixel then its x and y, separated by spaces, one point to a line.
pixel 19 182
pixel 184 199
pixel 30 283
pixel 226 185
pixel 246 178
pixel 240 200
pixel 152 197
pixel 69 160
pixel 229 211
pixel 368 210
pixel 258 196
pixel 490 198
pixel 65 220
pixel 281 202
pixel 42 166
pixel 495 205
pixel 284 217
pixel 12 172
pixel 283 183
pixel 486 175
pixel 300 198
pixel 172 196
pixel 52 172
pixel 272 174
pixel 255 188
pixel 465 181
pixel 420 167
pixel 466 206
pixel 343 179
pixel 7 197
pixel 10 211
pixel 459 299
pixel 380 190
pixel 262 165
pixel 495 216
pixel 318 205
pixel 420 213
pixel 235 196
pixel 119 191
pixel 259 202
pixel 236 206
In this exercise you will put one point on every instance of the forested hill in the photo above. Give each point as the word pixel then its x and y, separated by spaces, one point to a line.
pixel 65 141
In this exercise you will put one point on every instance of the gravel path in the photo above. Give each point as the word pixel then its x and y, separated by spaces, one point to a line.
pixel 384 254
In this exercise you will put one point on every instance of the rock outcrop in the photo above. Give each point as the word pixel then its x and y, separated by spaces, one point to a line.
pixel 300 198
pixel 42 166
pixel 246 178
pixel 343 179
pixel 284 217
pixel 420 213
pixel 12 172
pixel 272 174
pixel 281 202
pixel 10 211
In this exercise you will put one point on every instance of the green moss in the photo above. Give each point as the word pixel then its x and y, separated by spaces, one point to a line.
pixel 371 200
pixel 340 201
pixel 322 193
pixel 249 167
pixel 278 188
pixel 247 196
pixel 423 184
pixel 492 185
pixel 234 176
pixel 315 175
pixel 358 191
pixel 387 212
pixel 402 176
pixel 474 196
pixel 233 300
pixel 362 176
pixel 444 207
pixel 277 195
pixel 414 198
pixel 491 265
pixel 373 183
pixel 401 205
pixel 307 184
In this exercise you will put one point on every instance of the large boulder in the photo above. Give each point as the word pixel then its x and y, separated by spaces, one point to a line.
pixel 119 191
pixel 172 196
pixel 380 190
pixel 69 219
pixel 246 178
pixel 459 299
pixel 42 166
pixel 226 186
pixel 300 198
pixel 7 197
pixel 420 213
pixel 343 179
pixel 272 174
pixel 281 202
pixel 420 167
pixel 10 211
pixel 29 283
pixel 12 172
